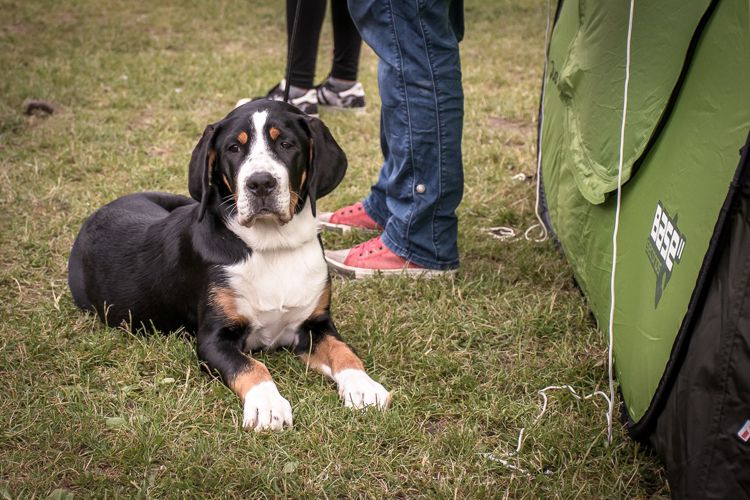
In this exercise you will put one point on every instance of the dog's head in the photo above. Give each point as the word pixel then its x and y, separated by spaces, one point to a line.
pixel 264 160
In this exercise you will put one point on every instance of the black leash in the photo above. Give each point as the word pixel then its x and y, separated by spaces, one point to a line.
pixel 289 50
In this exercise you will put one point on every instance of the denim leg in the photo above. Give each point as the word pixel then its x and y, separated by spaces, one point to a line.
pixel 375 204
pixel 419 75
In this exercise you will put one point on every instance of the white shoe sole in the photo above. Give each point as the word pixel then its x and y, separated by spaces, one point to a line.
pixel 335 261
pixel 323 223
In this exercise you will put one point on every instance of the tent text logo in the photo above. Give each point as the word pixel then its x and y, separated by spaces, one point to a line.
pixel 664 248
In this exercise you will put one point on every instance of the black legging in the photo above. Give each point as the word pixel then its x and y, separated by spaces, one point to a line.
pixel 346 41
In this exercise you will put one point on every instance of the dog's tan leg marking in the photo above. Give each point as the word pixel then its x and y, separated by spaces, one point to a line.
pixel 224 300
pixel 255 373
pixel 332 356
pixel 335 359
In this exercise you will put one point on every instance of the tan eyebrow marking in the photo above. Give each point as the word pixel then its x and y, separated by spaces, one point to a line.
pixel 242 137
pixel 274 133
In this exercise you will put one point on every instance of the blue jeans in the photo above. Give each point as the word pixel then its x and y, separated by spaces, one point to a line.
pixel 421 121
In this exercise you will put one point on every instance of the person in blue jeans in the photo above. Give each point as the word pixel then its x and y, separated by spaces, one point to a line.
pixel 420 185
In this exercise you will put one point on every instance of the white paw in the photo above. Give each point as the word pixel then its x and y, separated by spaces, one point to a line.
pixel 265 408
pixel 358 390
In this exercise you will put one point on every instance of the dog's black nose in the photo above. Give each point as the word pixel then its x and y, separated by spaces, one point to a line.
pixel 261 183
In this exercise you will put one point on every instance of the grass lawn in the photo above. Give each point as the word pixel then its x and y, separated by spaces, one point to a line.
pixel 96 411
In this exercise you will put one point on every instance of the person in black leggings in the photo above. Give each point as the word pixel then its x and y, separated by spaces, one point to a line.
pixel 341 89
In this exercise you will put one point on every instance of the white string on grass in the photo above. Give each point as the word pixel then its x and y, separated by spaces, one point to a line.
pixel 502 233
pixel 506 233
pixel 505 459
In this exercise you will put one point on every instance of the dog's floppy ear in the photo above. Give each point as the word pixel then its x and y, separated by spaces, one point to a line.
pixel 201 169
pixel 327 161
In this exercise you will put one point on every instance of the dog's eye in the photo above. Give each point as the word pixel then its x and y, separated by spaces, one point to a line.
pixel 286 145
pixel 234 148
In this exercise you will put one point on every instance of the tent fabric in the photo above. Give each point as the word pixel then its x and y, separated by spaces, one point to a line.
pixel 681 313
pixel 677 193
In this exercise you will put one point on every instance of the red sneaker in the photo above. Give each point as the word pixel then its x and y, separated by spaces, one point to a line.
pixel 347 218
pixel 373 257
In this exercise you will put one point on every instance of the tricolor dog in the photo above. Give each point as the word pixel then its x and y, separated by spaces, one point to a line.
pixel 240 265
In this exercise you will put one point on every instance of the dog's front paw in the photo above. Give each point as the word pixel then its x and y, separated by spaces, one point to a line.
pixel 265 408
pixel 358 390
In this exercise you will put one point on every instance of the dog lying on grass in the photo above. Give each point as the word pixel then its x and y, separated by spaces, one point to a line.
pixel 240 264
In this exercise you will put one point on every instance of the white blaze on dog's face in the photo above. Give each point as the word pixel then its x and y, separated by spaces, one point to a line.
pixel 263 180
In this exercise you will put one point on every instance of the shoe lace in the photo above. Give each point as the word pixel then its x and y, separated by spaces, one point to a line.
pixel 357 207
pixel 369 246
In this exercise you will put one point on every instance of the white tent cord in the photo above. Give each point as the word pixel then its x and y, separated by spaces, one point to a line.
pixel 610 360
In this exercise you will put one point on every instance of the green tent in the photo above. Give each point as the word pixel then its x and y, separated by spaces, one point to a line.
pixel 682 283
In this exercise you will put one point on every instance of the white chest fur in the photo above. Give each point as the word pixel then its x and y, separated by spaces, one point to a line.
pixel 279 285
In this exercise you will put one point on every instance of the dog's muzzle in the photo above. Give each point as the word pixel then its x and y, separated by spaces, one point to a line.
pixel 262 189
